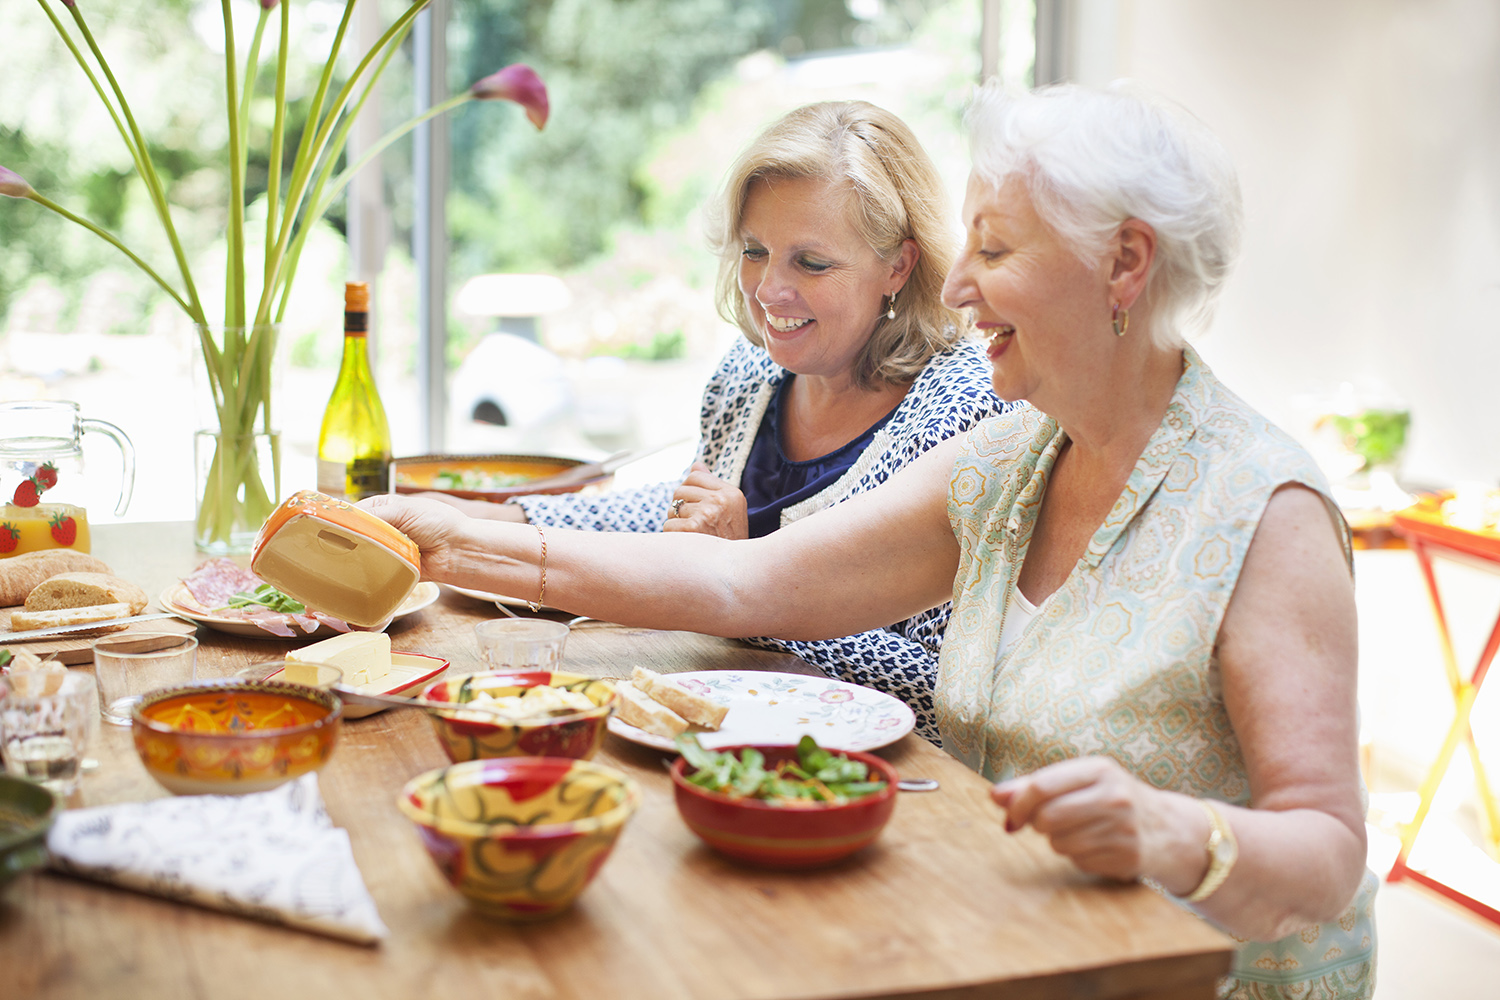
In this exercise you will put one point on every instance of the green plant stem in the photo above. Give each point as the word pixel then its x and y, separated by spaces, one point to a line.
pixel 47 203
pixel 146 169
pixel 234 304
pixel 298 188
pixel 336 148
pixel 252 70
pixel 278 139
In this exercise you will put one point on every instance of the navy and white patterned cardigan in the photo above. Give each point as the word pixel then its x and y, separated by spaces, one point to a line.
pixel 950 395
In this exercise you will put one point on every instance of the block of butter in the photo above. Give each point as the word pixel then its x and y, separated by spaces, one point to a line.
pixel 364 657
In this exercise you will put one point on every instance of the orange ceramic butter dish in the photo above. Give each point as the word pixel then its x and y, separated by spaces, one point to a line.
pixel 332 556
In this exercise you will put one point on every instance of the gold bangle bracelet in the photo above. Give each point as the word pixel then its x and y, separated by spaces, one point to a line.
pixel 1223 850
pixel 541 598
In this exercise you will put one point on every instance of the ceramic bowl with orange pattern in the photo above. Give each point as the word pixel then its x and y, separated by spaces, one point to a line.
pixel 234 737
pixel 475 735
pixel 520 837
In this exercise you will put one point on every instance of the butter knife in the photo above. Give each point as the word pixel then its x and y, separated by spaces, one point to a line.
pixel 63 630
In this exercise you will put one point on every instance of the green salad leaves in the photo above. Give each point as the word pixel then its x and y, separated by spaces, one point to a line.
pixel 817 776
pixel 267 596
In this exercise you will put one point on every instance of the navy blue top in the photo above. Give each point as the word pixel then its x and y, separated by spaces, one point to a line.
pixel 772 482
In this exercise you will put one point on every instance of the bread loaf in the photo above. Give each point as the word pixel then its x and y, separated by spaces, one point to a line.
pixel 24 621
pixel 20 574
pixel 647 715
pixel 80 590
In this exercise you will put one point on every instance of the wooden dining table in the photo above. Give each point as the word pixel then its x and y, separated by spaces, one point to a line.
pixel 946 904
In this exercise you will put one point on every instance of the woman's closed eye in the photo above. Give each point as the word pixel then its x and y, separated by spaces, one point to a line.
pixel 753 253
pixel 812 265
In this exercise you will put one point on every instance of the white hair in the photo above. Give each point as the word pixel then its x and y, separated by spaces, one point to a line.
pixel 1093 158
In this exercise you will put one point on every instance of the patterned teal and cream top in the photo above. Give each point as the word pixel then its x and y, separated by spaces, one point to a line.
pixel 1121 660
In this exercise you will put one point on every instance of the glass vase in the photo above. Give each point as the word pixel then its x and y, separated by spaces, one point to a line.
pixel 237 448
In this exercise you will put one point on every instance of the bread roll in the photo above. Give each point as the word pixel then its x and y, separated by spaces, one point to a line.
pixel 20 574
pixel 80 590
pixel 647 715
pixel 690 705
pixel 24 621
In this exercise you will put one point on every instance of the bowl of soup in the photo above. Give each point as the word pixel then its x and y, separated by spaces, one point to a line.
pixel 233 737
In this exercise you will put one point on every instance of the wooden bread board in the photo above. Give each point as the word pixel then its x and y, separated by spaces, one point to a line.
pixel 77 647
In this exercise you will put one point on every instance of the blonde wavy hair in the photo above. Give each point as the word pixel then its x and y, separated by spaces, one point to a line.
pixel 895 195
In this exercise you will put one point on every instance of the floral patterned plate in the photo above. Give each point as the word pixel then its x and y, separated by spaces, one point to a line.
pixel 768 708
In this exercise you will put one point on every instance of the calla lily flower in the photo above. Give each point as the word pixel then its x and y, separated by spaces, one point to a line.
pixel 269 4
pixel 12 185
pixel 517 82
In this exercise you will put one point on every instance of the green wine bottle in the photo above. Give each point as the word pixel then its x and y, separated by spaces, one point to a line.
pixel 354 446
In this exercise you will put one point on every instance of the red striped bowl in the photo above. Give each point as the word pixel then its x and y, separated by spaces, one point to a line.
pixel 773 836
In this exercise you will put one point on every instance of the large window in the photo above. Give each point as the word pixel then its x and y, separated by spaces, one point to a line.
pixel 578 288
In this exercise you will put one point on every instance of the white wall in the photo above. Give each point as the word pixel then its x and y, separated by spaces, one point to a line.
pixel 1367 134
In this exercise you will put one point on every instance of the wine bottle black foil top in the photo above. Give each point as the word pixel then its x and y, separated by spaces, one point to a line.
pixel 356 322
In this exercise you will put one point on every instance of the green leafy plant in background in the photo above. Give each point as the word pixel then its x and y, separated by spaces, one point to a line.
pixel 238 359
pixel 1376 436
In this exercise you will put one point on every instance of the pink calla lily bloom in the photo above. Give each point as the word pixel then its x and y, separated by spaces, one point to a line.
pixel 269 4
pixel 12 185
pixel 517 82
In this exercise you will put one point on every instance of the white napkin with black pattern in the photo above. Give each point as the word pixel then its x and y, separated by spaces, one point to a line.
pixel 273 856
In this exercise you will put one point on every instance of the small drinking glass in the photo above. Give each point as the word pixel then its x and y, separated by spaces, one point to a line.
pixel 521 643
pixel 44 737
pixel 128 666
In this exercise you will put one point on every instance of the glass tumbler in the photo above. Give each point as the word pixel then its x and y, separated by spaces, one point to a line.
pixel 129 665
pixel 521 643
pixel 44 737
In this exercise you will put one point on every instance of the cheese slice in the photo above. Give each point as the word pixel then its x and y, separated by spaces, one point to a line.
pixel 364 657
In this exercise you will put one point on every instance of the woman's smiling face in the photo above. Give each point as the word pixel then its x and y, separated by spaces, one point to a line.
pixel 1040 307
pixel 812 285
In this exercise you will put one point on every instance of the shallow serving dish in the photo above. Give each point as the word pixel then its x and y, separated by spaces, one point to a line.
pixel 409 671
pixel 26 813
pixel 774 836
pixel 467 737
pixel 416 474
pixel 520 837
pixel 233 737
pixel 176 599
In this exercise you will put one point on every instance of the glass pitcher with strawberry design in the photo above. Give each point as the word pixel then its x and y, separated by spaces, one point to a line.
pixel 41 475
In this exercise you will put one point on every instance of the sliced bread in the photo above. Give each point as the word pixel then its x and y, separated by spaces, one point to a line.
pixel 82 590
pixel 647 715
pixel 20 574
pixel 24 621
pixel 689 704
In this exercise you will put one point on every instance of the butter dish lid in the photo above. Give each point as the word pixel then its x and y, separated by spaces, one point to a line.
pixel 336 558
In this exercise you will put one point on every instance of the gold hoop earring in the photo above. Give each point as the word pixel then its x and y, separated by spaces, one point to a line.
pixel 890 312
pixel 1120 320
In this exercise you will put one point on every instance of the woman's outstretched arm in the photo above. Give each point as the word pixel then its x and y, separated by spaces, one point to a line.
pixel 876 558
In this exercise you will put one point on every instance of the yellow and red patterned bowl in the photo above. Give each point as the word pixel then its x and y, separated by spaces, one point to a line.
pixel 466 736
pixel 234 737
pixel 520 837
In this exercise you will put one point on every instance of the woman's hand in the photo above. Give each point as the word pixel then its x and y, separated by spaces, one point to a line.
pixel 1110 823
pixel 709 505
pixel 435 527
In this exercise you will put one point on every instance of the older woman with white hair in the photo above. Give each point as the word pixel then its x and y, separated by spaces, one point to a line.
pixel 1152 646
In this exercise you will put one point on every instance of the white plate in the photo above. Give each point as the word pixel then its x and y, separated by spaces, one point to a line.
pixel 772 708
pixel 408 672
pixel 484 595
pixel 423 595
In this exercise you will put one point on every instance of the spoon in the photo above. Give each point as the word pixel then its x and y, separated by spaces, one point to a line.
pixel 354 697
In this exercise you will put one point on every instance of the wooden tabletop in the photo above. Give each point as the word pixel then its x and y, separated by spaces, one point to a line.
pixel 945 905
